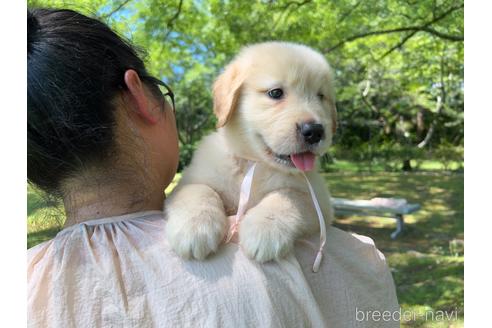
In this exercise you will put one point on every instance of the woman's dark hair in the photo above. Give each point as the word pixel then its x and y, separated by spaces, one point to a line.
pixel 75 68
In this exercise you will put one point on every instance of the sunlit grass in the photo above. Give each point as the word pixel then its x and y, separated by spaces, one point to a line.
pixel 173 183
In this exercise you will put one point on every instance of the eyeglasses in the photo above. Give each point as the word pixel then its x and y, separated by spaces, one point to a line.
pixel 164 88
pixel 169 93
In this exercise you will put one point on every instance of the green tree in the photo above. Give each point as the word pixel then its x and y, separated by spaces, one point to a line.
pixel 398 63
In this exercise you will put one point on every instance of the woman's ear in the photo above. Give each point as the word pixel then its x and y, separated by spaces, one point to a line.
pixel 139 97
pixel 226 92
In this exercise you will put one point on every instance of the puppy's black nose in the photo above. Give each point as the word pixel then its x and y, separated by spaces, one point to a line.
pixel 312 132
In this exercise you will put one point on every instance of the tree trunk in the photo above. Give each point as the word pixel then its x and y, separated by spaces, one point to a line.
pixel 441 100
pixel 406 165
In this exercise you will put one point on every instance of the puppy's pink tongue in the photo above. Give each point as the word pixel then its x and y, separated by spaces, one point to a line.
pixel 303 161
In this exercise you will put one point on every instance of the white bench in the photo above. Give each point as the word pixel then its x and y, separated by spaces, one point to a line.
pixel 394 208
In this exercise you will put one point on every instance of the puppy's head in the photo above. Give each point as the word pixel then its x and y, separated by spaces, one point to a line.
pixel 275 103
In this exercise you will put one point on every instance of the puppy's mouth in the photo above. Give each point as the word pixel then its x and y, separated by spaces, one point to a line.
pixel 281 159
pixel 303 161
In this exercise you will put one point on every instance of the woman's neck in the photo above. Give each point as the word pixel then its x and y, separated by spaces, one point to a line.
pixel 106 201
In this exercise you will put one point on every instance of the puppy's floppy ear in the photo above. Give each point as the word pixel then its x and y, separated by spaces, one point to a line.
pixel 333 106
pixel 333 119
pixel 226 92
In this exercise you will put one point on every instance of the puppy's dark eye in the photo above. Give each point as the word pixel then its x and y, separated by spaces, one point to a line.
pixel 321 96
pixel 276 93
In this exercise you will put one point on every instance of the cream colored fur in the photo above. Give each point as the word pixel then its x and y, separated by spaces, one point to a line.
pixel 251 126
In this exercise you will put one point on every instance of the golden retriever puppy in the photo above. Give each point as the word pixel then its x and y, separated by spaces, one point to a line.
pixel 275 106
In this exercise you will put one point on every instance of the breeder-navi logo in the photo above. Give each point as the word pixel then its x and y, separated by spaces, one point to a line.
pixel 375 315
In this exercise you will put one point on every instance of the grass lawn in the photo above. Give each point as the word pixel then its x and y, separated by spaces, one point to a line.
pixel 427 260
pixel 379 165
pixel 427 265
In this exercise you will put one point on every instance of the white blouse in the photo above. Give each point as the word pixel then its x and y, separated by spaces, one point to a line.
pixel 121 272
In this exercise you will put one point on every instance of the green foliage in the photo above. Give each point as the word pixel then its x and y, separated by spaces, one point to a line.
pixel 398 63
pixel 389 156
pixel 185 154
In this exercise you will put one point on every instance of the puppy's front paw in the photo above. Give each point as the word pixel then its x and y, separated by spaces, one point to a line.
pixel 264 239
pixel 196 237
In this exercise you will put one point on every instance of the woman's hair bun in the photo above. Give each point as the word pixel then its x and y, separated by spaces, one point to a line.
pixel 32 28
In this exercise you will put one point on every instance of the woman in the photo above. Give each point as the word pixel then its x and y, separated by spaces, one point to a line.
pixel 102 136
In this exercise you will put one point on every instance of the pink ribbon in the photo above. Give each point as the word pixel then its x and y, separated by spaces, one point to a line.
pixel 243 200
pixel 243 203
pixel 322 226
